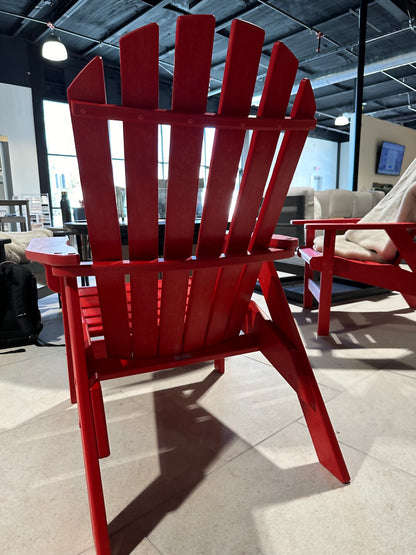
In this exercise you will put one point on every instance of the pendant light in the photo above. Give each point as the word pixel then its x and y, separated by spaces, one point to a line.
pixel 53 49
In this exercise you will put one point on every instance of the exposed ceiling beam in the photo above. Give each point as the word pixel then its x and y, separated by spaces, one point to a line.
pixel 34 10
pixel 305 26
pixel 375 67
pixel 115 33
pixel 58 18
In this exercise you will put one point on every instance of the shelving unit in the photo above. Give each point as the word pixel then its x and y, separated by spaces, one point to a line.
pixel 40 214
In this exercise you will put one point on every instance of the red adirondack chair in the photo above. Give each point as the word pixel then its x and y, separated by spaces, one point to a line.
pixel 376 259
pixel 182 309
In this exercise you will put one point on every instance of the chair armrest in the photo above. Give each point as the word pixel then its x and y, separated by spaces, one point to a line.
pixel 52 251
pixel 325 221
pixel 345 225
pixel 283 242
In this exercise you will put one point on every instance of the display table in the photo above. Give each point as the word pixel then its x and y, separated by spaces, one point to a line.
pixel 80 230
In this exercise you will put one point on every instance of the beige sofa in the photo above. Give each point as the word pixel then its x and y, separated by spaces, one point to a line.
pixel 336 203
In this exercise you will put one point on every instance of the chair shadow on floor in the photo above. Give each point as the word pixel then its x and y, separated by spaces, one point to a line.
pixel 356 321
pixel 383 330
pixel 191 444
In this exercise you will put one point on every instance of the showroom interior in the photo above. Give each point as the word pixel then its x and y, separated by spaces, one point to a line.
pixel 200 463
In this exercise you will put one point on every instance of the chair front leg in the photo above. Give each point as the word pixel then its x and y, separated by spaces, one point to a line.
pixel 86 421
pixel 70 365
pixel 308 273
pixel 307 294
pixel 220 365
pixel 327 274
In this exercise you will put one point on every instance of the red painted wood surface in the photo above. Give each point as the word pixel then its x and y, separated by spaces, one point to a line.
pixel 94 160
pixel 240 74
pixel 284 168
pixel 234 287
pixel 139 71
pixel 145 314
pixel 190 89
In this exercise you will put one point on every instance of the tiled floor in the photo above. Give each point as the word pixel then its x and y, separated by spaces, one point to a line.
pixel 210 465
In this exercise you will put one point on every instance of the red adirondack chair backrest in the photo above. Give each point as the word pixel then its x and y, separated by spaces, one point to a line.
pixel 182 313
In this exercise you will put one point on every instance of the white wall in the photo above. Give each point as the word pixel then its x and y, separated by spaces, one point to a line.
pixel 344 154
pixel 317 165
pixel 373 132
pixel 16 123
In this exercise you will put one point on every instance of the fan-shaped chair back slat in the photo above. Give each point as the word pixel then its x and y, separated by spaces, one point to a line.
pixel 240 74
pixel 95 168
pixel 194 40
pixel 139 68
pixel 233 283
pixel 177 311
pixel 284 168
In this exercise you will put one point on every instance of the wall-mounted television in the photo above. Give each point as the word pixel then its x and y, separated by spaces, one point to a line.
pixel 390 158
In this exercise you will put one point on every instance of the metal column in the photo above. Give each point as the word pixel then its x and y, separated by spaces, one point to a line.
pixel 359 83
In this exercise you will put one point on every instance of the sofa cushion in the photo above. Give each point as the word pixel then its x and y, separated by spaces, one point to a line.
pixel 364 201
pixel 340 203
pixel 309 194
pixel 16 250
pixel 335 203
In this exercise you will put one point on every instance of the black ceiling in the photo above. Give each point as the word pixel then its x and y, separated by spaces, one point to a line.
pixel 93 27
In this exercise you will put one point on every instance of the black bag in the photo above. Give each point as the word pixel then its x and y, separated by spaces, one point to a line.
pixel 20 321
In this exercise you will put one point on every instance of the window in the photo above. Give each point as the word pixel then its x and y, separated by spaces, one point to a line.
pixel 63 167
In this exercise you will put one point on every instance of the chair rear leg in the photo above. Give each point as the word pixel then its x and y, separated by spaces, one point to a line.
pixel 323 436
pixel 410 299
pixel 290 360
pixel 325 298
pixel 283 347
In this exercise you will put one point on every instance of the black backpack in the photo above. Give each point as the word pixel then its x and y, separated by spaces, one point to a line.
pixel 20 321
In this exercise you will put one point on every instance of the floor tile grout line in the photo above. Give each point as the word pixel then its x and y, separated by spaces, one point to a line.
pixel 38 417
pixel 381 461
pixel 400 373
